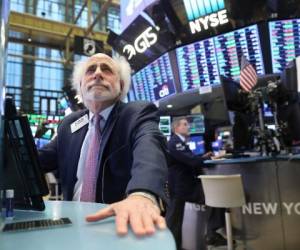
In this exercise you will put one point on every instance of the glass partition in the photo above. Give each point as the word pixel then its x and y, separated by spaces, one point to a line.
pixel 4 5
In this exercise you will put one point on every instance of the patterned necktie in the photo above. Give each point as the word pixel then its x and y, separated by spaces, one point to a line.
pixel 88 192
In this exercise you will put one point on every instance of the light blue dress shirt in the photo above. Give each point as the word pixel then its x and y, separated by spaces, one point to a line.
pixel 83 153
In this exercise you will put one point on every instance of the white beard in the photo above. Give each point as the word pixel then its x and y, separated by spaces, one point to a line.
pixel 93 95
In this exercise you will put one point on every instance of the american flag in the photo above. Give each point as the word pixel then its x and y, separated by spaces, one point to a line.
pixel 248 77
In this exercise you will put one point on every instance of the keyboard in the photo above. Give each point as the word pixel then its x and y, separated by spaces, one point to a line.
pixel 36 224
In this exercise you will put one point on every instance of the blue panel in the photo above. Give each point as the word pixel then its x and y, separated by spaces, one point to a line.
pixel 198 8
pixel 195 9
pixel 201 8
pixel 207 6
pixel 221 4
pixel 188 9
pixel 214 5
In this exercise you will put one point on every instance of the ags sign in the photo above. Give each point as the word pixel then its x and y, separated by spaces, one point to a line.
pixel 144 41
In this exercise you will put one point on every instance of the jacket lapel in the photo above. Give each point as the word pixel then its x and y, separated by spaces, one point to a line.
pixel 108 130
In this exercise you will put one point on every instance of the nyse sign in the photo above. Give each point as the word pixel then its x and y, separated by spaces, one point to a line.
pixel 144 41
pixel 213 20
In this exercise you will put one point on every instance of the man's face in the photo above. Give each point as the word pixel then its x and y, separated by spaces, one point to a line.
pixel 101 81
pixel 183 127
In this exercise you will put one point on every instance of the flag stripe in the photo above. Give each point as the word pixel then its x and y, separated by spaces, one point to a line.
pixel 248 76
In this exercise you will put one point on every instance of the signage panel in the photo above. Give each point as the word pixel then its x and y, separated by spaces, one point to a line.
pixel 130 9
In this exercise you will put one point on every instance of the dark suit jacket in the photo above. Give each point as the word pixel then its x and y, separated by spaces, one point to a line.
pixel 132 153
pixel 184 169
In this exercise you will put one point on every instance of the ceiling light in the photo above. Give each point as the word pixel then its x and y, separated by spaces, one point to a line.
pixel 169 106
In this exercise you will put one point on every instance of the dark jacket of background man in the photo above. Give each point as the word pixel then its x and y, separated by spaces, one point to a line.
pixel 185 166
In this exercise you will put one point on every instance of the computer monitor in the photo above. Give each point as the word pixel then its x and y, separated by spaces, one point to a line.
pixel 64 103
pixel 41 142
pixel 21 168
pixel 237 101
pixel 165 125
pixel 196 144
pixel 214 107
pixel 196 123
pixel 290 76
pixel 231 89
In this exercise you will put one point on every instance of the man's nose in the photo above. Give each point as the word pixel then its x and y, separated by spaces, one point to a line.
pixel 98 73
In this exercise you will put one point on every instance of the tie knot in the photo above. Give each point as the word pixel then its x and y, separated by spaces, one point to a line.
pixel 96 120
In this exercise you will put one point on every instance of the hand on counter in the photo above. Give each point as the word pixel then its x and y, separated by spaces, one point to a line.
pixel 208 155
pixel 138 211
pixel 220 156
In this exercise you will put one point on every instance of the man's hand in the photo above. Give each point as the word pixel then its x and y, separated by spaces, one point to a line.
pixel 137 210
pixel 207 155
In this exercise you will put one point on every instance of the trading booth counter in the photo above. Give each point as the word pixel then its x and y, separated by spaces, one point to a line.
pixel 271 217
pixel 80 234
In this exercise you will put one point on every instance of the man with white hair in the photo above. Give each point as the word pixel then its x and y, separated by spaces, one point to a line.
pixel 111 152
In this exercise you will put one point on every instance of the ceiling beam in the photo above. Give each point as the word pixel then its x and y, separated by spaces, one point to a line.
pixel 53 31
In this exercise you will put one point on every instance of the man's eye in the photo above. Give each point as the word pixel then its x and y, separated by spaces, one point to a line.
pixel 105 68
pixel 91 69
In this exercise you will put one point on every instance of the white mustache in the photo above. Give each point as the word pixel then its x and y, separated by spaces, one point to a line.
pixel 98 84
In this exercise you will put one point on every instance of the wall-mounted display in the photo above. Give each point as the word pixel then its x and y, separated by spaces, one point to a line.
pixel 155 81
pixel 285 42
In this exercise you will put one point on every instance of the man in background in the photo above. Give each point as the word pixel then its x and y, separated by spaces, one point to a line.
pixel 111 152
pixel 185 186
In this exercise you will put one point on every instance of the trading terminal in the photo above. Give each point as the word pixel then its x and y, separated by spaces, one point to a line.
pixel 186 58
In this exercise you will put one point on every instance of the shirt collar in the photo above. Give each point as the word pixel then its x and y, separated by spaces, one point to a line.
pixel 181 137
pixel 104 113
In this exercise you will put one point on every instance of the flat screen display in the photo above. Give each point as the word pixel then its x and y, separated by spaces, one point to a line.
pixel 165 125
pixel 155 81
pixel 285 42
pixel 201 63
pixel 197 65
pixel 230 46
pixel 196 144
pixel 196 123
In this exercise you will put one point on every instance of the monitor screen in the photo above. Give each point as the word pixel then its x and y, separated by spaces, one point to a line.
pixel 155 81
pixel 267 110
pixel 196 144
pixel 36 120
pixel 165 125
pixel 41 142
pixel 285 42
pixel 196 123
pixel 197 65
pixel 64 103
pixel 22 169
pixel 230 46
pixel 201 63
